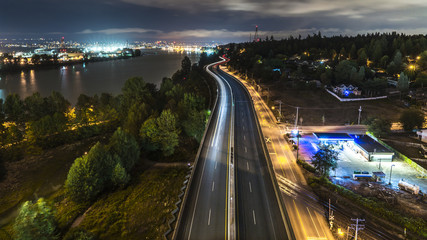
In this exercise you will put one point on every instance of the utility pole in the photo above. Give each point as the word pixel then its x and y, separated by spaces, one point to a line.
pixel 296 119
pixel 357 226
pixel 331 215
pixel 280 108
pixel 360 111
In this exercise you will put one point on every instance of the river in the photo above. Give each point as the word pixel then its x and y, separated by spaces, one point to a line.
pixel 95 77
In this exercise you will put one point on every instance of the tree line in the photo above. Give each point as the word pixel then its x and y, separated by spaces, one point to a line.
pixel 365 60
pixel 149 121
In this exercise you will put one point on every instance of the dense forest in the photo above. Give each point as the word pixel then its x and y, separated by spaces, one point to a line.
pixel 366 61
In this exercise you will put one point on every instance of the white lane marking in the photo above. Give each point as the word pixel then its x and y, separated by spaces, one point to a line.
pixel 253 214
pixel 213 186
pixel 247 165
pixel 209 218
pixel 246 150
pixel 243 128
pixel 250 186
pixel 216 125
pixel 244 137
pixel 216 163
pixel 313 222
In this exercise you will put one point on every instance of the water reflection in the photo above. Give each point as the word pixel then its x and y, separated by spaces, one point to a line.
pixel 94 77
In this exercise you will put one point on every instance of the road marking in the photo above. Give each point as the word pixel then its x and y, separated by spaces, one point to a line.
pixel 313 222
pixel 216 163
pixel 216 125
pixel 246 150
pixel 244 137
pixel 253 214
pixel 209 218
pixel 213 186
pixel 250 186
pixel 243 128
pixel 247 165
pixel 300 220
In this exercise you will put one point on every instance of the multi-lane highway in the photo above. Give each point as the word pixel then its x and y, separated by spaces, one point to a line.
pixel 204 213
pixel 232 147
pixel 259 215
pixel 306 215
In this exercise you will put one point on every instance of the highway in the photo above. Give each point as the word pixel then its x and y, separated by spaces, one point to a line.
pixel 204 213
pixel 232 162
pixel 306 215
pixel 258 213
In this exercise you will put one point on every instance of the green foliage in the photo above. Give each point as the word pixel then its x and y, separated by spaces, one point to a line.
pixel 119 176
pixel 412 118
pixel 325 159
pixel 343 71
pixel 385 211
pixel 422 61
pixel 89 174
pixel 194 125
pixel 306 166
pixel 136 116
pixel 125 147
pixel 186 67
pixel 14 108
pixel 161 133
pixel 379 126
pixel 35 221
pixel 79 233
pixel 403 82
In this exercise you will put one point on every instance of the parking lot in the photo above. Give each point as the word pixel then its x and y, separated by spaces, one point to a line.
pixel 350 161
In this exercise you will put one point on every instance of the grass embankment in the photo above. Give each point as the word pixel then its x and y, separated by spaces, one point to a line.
pixel 139 211
pixel 38 176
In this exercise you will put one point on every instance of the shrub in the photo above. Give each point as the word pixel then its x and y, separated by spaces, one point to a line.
pixel 35 221
pixel 89 174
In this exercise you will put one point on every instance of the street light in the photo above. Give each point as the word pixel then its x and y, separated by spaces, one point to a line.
pixel 296 132
pixel 391 168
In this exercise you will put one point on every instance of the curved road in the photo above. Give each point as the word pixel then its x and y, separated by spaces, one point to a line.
pixel 257 211
pixel 205 210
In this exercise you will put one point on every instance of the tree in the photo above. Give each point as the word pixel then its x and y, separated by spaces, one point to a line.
pixel 186 67
pixel 379 126
pixel 89 174
pixel 412 118
pixel 194 125
pixel 119 176
pixel 343 71
pixel 403 82
pixel 125 147
pixel 35 221
pixel 362 57
pixel 325 159
pixel 161 133
pixel 136 116
pixel 35 107
pixel 422 61
pixel 14 108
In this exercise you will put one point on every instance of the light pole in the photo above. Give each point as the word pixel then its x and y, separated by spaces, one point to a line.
pixel 280 108
pixel 391 168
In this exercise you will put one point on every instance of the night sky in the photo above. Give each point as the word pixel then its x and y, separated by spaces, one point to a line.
pixel 206 20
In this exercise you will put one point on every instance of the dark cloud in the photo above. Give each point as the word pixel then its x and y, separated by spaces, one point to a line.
pixel 228 20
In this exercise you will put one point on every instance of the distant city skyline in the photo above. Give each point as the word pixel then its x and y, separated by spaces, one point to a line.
pixel 208 20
